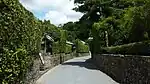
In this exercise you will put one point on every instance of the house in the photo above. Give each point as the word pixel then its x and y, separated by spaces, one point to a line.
pixel 46 44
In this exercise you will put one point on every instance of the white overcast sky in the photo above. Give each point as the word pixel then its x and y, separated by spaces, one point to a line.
pixel 57 11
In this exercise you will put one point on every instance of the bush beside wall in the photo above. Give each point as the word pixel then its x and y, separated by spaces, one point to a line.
pixel 80 47
pixel 138 48
pixel 20 36
pixel 68 49
pixel 56 48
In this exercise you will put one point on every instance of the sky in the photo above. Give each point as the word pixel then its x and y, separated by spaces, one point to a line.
pixel 57 11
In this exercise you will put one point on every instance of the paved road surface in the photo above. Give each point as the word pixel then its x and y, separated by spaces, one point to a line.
pixel 75 71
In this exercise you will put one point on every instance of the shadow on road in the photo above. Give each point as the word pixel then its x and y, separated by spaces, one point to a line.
pixel 89 65
pixel 86 64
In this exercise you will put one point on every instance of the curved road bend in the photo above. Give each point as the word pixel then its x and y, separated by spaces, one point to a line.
pixel 75 71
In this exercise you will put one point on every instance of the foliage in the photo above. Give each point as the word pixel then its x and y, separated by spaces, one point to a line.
pixel 123 20
pixel 56 48
pixel 81 47
pixel 136 20
pixel 72 30
pixel 63 41
pixel 20 38
pixel 68 48
pixel 76 30
pixel 106 14
pixel 13 66
pixel 51 29
pixel 137 48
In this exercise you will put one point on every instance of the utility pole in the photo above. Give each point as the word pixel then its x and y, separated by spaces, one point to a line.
pixel 106 38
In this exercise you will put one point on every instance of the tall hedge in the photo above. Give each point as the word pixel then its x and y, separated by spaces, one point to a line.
pixel 81 47
pixel 63 38
pixel 20 35
pixel 56 48
pixel 61 46
pixel 68 49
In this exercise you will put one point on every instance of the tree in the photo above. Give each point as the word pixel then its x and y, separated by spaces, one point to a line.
pixel 77 30
pixel 124 20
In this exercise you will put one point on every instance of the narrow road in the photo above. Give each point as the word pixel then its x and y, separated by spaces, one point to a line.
pixel 76 71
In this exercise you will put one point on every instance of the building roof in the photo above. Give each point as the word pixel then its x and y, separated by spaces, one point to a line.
pixel 49 38
pixel 83 42
pixel 68 42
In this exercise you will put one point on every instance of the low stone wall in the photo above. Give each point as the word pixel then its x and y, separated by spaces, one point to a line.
pixel 83 54
pixel 125 69
pixel 34 71
pixel 37 69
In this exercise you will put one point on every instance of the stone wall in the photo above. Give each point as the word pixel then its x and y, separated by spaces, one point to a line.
pixel 37 69
pixel 125 69
pixel 82 54
pixel 33 71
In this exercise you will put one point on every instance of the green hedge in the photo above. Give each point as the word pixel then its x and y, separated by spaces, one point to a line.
pixel 80 47
pixel 56 48
pixel 138 48
pixel 20 37
pixel 68 48
pixel 16 64
pixel 20 30
pixel 63 38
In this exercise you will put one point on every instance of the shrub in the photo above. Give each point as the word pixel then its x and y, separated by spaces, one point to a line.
pixel 13 66
pixel 20 37
pixel 68 48
pixel 63 38
pixel 61 46
pixel 137 48
pixel 80 47
pixel 56 48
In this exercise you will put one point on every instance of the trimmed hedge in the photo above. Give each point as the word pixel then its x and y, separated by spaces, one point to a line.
pixel 68 49
pixel 80 47
pixel 138 48
pixel 14 66
pixel 62 42
pixel 20 37
pixel 56 48
pixel 20 30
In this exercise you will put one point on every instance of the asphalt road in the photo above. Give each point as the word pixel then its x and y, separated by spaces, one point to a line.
pixel 76 71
